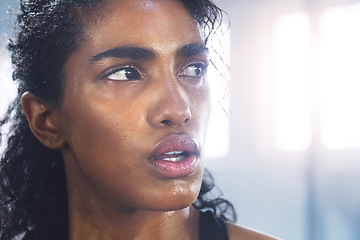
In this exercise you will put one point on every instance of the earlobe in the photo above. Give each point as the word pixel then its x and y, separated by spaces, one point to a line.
pixel 43 122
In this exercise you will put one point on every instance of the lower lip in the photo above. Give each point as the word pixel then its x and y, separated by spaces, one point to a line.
pixel 179 169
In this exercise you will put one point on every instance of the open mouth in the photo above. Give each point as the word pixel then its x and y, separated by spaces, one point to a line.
pixel 175 156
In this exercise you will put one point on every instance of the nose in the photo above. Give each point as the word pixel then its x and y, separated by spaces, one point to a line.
pixel 171 105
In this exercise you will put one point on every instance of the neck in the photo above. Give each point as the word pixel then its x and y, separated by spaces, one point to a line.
pixel 136 224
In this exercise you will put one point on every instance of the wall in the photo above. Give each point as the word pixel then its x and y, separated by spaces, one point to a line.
pixel 304 194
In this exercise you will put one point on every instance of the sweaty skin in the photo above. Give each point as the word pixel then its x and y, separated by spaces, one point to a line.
pixel 112 124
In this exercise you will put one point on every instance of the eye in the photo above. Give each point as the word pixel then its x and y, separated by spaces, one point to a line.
pixel 123 74
pixel 195 71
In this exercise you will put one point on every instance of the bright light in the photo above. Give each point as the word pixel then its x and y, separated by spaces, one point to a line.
pixel 340 77
pixel 292 91
pixel 218 136
pixel 7 89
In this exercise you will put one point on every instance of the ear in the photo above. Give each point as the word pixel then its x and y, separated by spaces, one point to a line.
pixel 43 121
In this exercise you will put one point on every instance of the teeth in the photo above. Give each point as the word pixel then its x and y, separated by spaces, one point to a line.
pixel 175 156
pixel 174 153
pixel 174 159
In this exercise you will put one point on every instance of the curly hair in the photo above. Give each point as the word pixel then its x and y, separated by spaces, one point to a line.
pixel 33 194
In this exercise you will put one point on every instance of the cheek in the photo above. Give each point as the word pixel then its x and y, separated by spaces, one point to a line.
pixel 94 128
pixel 102 148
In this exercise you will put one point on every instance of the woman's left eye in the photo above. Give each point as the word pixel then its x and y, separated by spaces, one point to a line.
pixel 196 70
pixel 124 74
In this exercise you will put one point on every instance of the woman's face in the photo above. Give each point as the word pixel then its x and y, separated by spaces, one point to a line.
pixel 135 108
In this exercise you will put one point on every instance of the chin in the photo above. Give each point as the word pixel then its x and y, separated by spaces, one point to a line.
pixel 177 199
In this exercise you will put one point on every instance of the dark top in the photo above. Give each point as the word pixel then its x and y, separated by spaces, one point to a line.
pixel 211 227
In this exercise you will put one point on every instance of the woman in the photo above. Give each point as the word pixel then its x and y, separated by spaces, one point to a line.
pixel 115 108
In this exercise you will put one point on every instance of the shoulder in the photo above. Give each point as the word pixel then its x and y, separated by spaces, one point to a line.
pixel 236 232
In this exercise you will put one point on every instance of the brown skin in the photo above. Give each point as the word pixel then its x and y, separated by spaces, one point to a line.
pixel 107 125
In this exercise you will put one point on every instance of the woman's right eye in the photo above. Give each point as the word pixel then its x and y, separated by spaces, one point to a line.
pixel 124 74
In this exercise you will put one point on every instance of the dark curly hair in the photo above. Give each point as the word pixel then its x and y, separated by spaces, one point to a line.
pixel 33 195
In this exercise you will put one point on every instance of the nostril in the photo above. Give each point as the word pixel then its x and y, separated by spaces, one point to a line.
pixel 186 121
pixel 166 122
pixel 174 123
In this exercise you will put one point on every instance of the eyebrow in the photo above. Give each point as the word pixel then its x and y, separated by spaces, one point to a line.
pixel 135 53
pixel 139 53
pixel 193 49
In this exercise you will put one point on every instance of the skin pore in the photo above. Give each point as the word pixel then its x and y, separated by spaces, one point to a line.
pixel 135 89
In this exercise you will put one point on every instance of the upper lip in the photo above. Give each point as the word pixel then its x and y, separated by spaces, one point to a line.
pixel 173 143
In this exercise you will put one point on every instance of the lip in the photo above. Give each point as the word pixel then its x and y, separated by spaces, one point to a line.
pixel 168 161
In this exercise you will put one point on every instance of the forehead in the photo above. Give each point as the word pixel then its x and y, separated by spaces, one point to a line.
pixel 158 24
pixel 144 15
pixel 141 16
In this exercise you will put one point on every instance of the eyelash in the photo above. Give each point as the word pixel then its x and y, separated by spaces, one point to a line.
pixel 130 69
pixel 201 66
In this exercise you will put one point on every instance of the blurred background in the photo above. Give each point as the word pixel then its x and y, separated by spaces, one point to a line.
pixel 289 152
pixel 284 144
